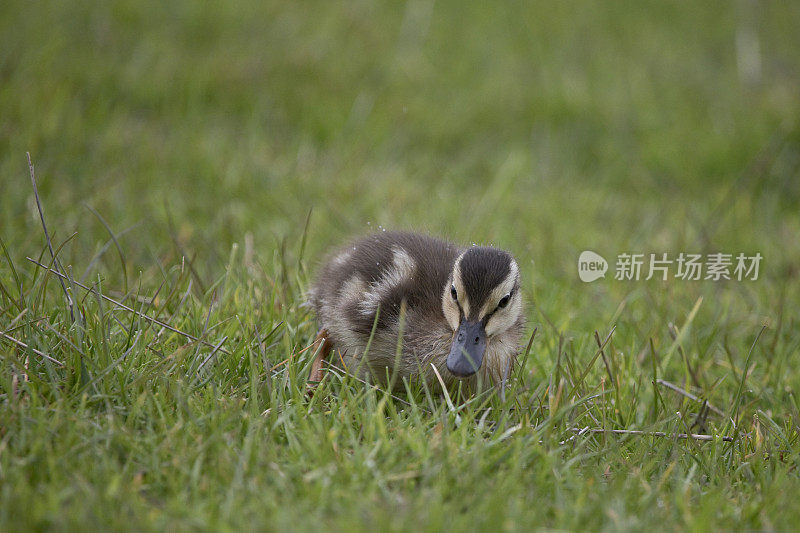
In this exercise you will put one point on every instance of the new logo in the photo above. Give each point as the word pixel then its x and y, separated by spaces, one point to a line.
pixel 591 266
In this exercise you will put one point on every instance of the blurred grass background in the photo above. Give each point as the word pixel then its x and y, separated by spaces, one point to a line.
pixel 544 128
pixel 547 129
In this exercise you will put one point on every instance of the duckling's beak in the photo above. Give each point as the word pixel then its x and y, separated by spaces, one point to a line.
pixel 469 343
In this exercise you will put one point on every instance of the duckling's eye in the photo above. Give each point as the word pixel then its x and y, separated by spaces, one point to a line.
pixel 453 292
pixel 504 300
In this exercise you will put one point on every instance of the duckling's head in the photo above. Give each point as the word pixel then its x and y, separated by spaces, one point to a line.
pixel 481 301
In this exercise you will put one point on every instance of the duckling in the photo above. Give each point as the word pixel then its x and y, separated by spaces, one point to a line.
pixel 395 303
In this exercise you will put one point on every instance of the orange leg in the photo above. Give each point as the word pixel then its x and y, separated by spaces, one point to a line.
pixel 322 347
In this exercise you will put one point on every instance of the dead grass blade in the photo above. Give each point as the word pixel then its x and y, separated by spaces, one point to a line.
pixel 131 310
pixel 34 350
pixel 56 262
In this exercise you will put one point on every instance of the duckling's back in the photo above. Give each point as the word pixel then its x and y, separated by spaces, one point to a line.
pixel 370 284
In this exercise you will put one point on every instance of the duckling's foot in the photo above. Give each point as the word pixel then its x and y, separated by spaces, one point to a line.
pixel 322 346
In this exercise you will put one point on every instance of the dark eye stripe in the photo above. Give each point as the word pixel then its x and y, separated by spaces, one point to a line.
pixel 500 305
pixel 454 294
pixel 505 299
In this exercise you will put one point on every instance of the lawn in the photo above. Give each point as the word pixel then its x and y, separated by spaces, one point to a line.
pixel 195 161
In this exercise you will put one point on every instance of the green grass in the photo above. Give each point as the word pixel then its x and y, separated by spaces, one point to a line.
pixel 179 150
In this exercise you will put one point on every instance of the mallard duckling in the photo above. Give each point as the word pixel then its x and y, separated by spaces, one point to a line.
pixel 408 301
